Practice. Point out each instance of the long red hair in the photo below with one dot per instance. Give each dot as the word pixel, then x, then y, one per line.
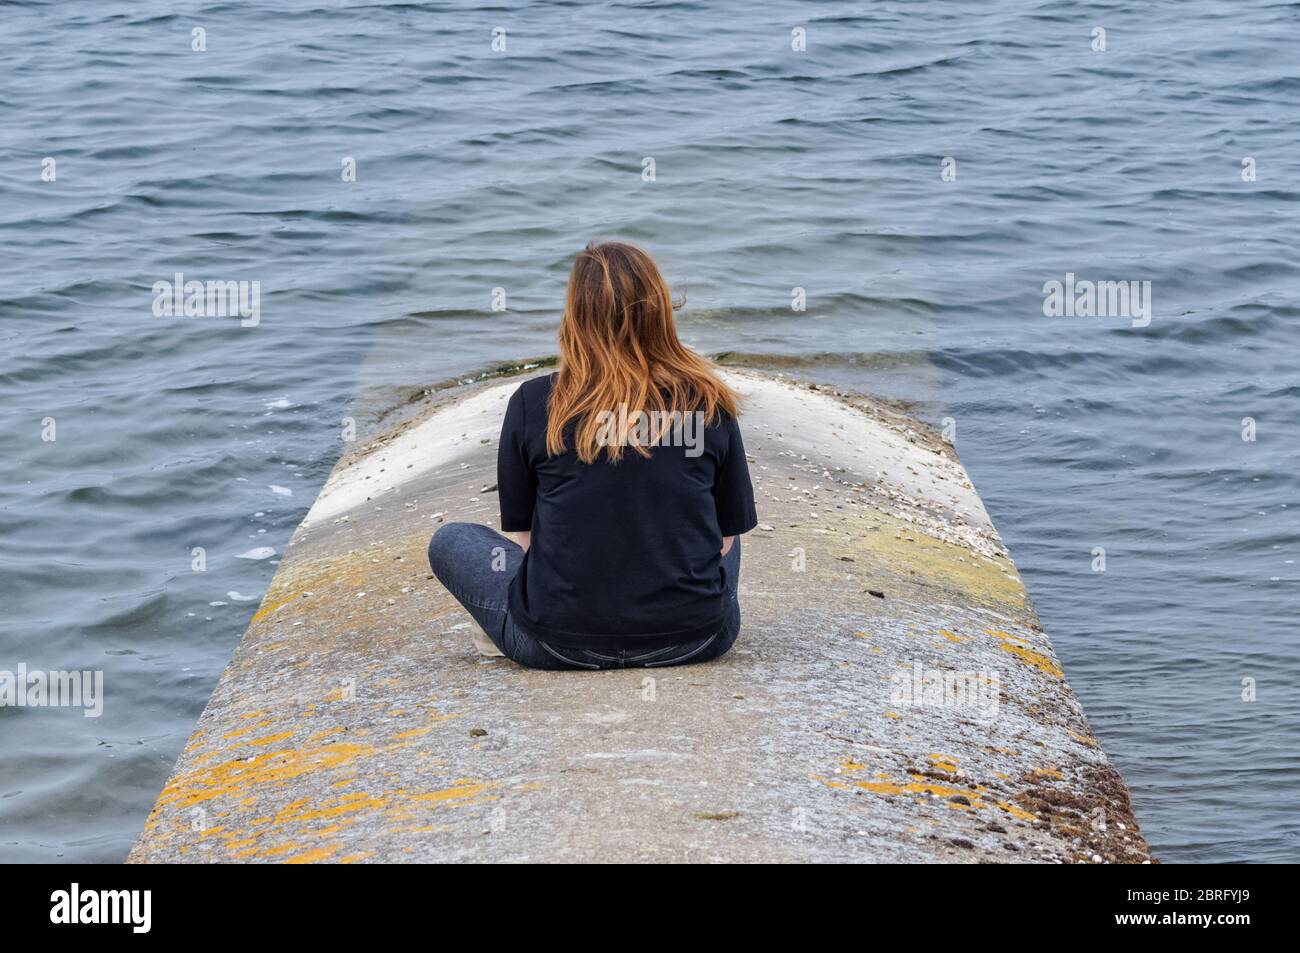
pixel 619 347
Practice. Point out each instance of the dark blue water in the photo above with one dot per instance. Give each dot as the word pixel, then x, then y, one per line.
pixel 774 169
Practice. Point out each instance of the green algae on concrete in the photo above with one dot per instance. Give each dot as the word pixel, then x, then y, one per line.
pixel 892 696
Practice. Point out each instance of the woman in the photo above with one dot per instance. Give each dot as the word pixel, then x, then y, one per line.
pixel 623 476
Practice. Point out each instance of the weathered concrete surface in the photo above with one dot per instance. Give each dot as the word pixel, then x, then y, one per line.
pixel 356 722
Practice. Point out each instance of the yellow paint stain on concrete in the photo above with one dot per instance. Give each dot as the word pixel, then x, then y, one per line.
pixel 240 775
pixel 247 729
pixel 343 812
pixel 849 766
pixel 951 636
pixel 830 783
pixel 940 563
pixel 945 763
pixel 1016 811
pixel 1009 643
pixel 272 739
pixel 879 787
pixel 921 786
pixel 894 715
pixel 322 735
pixel 355 858
pixel 266 610
pixel 348 804
pixel 457 792
pixel 413 733
pixel 335 828
pixel 314 856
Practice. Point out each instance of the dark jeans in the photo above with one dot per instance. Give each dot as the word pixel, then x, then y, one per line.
pixel 476 564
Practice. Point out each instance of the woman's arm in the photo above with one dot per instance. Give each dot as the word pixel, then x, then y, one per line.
pixel 526 537
pixel 516 485
pixel 733 493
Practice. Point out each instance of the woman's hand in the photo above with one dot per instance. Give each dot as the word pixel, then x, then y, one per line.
pixel 526 537
pixel 726 544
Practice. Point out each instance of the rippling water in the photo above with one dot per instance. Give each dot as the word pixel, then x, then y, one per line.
pixel 774 169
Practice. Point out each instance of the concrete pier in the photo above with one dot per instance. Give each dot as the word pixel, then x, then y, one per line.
pixel 892 696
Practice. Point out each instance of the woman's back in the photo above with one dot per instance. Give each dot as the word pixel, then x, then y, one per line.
pixel 624 553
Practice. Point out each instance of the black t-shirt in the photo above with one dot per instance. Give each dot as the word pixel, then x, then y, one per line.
pixel 626 554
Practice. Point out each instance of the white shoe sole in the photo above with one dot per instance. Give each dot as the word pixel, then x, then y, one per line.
pixel 485 645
